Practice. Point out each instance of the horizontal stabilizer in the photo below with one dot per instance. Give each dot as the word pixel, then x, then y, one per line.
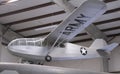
pixel 110 47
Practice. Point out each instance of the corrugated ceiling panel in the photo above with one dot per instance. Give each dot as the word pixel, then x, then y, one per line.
pixel 20 5
pixel 29 14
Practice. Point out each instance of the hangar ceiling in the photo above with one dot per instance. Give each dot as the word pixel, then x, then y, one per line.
pixel 37 18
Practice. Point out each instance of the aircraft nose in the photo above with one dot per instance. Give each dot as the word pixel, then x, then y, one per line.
pixel 13 43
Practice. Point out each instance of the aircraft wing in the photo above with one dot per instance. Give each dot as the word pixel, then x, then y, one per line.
pixel 18 68
pixel 76 22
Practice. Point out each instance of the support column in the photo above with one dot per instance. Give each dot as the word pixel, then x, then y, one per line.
pixel 5 37
pixel 7 34
pixel 95 33
pixel 0 42
pixel 0 49
pixel 105 59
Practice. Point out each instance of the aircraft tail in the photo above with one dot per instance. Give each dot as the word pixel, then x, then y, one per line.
pixel 98 44
pixel 101 44
pixel 110 47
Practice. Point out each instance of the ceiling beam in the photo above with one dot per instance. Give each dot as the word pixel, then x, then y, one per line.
pixel 117 72
pixel 113 35
pixel 107 21
pixel 5 44
pixel 90 39
pixel 58 22
pixel 36 7
pixel 103 30
pixel 107 1
pixel 112 28
pixel 112 11
pixel 49 15
pixel 81 34
pixel 34 18
pixel 27 9
pixel 46 33
pixel 39 26
pixel 5 29
pixel 83 40
pixel 37 35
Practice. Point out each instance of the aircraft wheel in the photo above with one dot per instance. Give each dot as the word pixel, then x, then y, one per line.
pixel 48 58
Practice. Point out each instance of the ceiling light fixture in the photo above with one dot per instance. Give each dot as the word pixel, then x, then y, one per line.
pixel 10 1
pixel 45 28
pixel 3 2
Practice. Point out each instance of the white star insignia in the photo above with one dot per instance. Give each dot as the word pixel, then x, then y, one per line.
pixel 83 51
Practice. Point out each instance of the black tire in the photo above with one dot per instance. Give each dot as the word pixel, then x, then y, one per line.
pixel 48 58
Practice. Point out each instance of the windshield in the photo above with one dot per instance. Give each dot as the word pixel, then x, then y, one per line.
pixel 27 42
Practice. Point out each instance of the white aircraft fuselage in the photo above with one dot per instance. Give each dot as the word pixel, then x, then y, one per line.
pixel 68 52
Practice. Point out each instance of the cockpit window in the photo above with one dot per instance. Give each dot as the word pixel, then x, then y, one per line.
pixel 27 41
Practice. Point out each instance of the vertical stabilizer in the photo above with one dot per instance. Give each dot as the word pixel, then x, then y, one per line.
pixel 98 44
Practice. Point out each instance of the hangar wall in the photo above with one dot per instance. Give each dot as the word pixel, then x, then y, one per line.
pixel 114 63
pixel 5 56
pixel 90 64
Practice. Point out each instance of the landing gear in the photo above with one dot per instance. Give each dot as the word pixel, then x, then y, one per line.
pixel 48 58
